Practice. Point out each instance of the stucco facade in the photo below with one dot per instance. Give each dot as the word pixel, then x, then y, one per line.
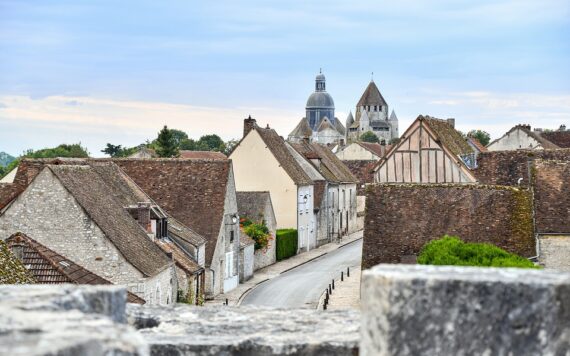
pixel 355 152
pixel 515 139
pixel 49 213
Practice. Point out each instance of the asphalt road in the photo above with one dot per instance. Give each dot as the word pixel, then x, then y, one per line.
pixel 302 287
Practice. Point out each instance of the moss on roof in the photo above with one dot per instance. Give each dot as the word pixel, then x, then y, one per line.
pixel 12 270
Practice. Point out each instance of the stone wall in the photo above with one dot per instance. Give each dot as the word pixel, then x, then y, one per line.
pixel 443 310
pixel 551 182
pixel 506 167
pixel 401 219
pixel 554 252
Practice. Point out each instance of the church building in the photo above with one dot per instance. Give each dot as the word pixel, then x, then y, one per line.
pixel 319 124
pixel 372 115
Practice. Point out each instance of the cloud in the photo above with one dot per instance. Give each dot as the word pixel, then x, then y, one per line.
pixel 100 120
pixel 3 106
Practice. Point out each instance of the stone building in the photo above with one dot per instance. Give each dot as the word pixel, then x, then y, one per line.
pixel 522 137
pixel 372 116
pixel 46 266
pixel 336 213
pixel 257 206
pixel 94 216
pixel 263 161
pixel 363 151
pixel 200 194
pixel 319 124
pixel 430 151
pixel 246 257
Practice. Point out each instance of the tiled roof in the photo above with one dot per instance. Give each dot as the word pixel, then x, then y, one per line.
pixel 8 191
pixel 277 146
pixel 363 170
pixel 303 129
pixel 202 155
pixel 376 148
pixel 331 166
pixel 12 270
pixel 192 191
pixel 371 96
pixel 253 204
pixel 49 267
pixel 475 142
pixel 559 138
pixel 103 193
pixel 181 258
pixel 551 182
pixel 448 135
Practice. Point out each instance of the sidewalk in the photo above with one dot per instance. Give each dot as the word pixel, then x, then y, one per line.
pixel 236 295
pixel 346 295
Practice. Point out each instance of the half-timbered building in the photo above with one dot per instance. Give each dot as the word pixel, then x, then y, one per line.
pixel 430 151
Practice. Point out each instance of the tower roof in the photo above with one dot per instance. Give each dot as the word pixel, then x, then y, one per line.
pixel 349 119
pixel 320 99
pixel 393 116
pixel 371 96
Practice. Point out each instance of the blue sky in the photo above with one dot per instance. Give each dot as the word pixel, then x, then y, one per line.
pixel 116 71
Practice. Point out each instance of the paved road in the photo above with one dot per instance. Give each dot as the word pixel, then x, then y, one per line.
pixel 302 286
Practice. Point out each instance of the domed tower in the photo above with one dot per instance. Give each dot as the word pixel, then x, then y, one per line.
pixel 320 104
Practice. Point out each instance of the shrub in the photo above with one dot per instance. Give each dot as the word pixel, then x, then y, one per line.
pixel 259 232
pixel 286 243
pixel 450 250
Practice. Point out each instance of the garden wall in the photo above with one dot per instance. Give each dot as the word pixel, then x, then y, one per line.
pixel 401 219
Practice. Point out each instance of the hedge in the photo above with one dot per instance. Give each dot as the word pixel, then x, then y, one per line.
pixel 451 251
pixel 286 243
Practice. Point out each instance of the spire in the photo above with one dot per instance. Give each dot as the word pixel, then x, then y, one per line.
pixel 393 116
pixel 320 81
pixel 372 77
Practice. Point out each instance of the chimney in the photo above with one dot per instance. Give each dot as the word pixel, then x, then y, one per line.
pixel 248 125
pixel 451 122
pixel 143 216
pixel 314 158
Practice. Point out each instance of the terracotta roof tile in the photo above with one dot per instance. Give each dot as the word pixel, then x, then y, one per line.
pixel 202 155
pixel 49 267
pixel 331 167
pixel 8 192
pixel 192 191
pixel 559 138
pixel 103 193
pixel 551 182
pixel 475 142
pixel 448 135
pixel 376 148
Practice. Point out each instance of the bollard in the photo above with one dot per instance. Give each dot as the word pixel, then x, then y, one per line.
pixel 348 271
pixel 333 283
pixel 227 301
pixel 342 276
pixel 330 289
pixel 325 306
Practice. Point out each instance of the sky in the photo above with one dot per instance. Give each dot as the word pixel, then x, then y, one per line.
pixel 117 71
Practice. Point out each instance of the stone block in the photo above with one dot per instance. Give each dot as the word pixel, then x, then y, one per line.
pixel 444 310
pixel 188 330
pixel 66 320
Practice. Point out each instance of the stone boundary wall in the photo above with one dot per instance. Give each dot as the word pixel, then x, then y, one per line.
pixel 506 167
pixel 551 182
pixel 401 219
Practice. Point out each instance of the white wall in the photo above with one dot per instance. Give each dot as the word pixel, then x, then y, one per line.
pixel 515 140
pixel 307 225
pixel 355 152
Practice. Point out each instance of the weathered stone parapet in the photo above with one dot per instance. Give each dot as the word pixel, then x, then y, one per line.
pixel 66 320
pixel 436 310
pixel 188 330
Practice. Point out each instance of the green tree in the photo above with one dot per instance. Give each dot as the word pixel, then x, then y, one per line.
pixel 369 136
pixel 211 143
pixel 230 145
pixel 188 144
pixel 166 145
pixel 481 136
pixel 119 151
pixel 179 136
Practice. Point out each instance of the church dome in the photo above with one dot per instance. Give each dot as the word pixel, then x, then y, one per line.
pixel 320 99
pixel 320 76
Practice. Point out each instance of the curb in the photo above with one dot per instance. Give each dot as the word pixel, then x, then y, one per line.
pixel 244 294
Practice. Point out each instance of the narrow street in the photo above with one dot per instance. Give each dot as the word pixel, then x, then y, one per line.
pixel 302 286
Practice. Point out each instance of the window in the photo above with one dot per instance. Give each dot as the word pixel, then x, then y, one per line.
pixel 232 236
pixel 229 264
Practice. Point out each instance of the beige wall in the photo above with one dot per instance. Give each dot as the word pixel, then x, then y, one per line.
pixel 354 152
pixel 256 169
pixel 515 140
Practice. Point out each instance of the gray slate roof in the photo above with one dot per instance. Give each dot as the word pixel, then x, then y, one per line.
pixel 371 96
pixel 303 129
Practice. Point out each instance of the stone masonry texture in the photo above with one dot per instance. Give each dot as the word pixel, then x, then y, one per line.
pixel 401 219
pixel 443 310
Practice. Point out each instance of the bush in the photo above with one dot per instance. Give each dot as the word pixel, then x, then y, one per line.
pixel 450 250
pixel 286 243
